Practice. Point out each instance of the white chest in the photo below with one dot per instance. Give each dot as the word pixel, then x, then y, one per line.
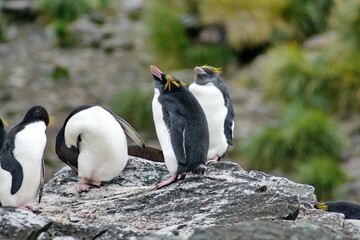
pixel 163 135
pixel 29 148
pixel 213 104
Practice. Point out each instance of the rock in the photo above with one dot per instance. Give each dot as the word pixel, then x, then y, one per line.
pixel 21 224
pixel 199 207
pixel 226 203
pixel 17 5
pixel 268 230
pixel 133 8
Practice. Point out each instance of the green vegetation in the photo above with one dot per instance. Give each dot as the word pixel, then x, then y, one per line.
pixel 327 80
pixel 324 174
pixel 170 44
pixel 307 16
pixel 60 72
pixel 300 134
pixel 60 14
pixel 345 20
pixel 264 22
pixel 2 29
pixel 135 106
pixel 64 10
pixel 305 144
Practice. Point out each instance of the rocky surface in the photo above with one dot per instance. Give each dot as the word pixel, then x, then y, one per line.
pixel 109 58
pixel 226 203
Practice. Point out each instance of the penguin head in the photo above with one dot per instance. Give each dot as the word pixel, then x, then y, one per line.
pixel 38 113
pixel 165 82
pixel 207 74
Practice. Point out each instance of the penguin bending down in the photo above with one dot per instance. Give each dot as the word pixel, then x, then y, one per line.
pixel 93 143
pixel 3 132
pixel 21 160
pixel 213 96
pixel 180 125
pixel 349 209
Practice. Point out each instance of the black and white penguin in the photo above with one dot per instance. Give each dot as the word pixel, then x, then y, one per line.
pixel 3 132
pixel 180 125
pixel 211 92
pixel 93 143
pixel 349 209
pixel 21 160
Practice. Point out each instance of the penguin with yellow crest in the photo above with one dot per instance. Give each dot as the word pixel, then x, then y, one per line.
pixel 211 92
pixel 180 125
pixel 21 160
pixel 350 210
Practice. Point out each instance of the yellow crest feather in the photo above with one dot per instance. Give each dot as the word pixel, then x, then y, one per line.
pixel 51 121
pixel 213 69
pixel 4 122
pixel 322 206
pixel 170 80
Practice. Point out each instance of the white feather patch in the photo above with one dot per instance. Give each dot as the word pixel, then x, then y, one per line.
pixel 213 104
pixel 163 135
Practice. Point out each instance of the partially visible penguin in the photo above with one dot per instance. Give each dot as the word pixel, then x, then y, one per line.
pixel 3 132
pixel 21 160
pixel 212 94
pixel 93 143
pixel 349 209
pixel 180 125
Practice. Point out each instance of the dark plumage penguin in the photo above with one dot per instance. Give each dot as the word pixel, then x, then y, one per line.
pixel 180 125
pixel 349 209
pixel 211 92
pixel 3 132
pixel 93 143
pixel 21 160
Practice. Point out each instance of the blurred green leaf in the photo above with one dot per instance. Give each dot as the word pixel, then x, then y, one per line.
pixel 324 173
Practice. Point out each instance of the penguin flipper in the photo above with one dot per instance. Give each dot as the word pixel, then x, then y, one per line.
pixel 10 164
pixel 229 120
pixel 42 182
pixel 130 131
pixel 177 135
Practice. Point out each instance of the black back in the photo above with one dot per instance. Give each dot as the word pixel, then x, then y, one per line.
pixel 7 160
pixel 187 125
pixel 349 209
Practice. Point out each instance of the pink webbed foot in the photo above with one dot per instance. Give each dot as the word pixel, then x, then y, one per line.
pixel 82 186
pixel 96 183
pixel 29 208
pixel 173 179
pixel 212 160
